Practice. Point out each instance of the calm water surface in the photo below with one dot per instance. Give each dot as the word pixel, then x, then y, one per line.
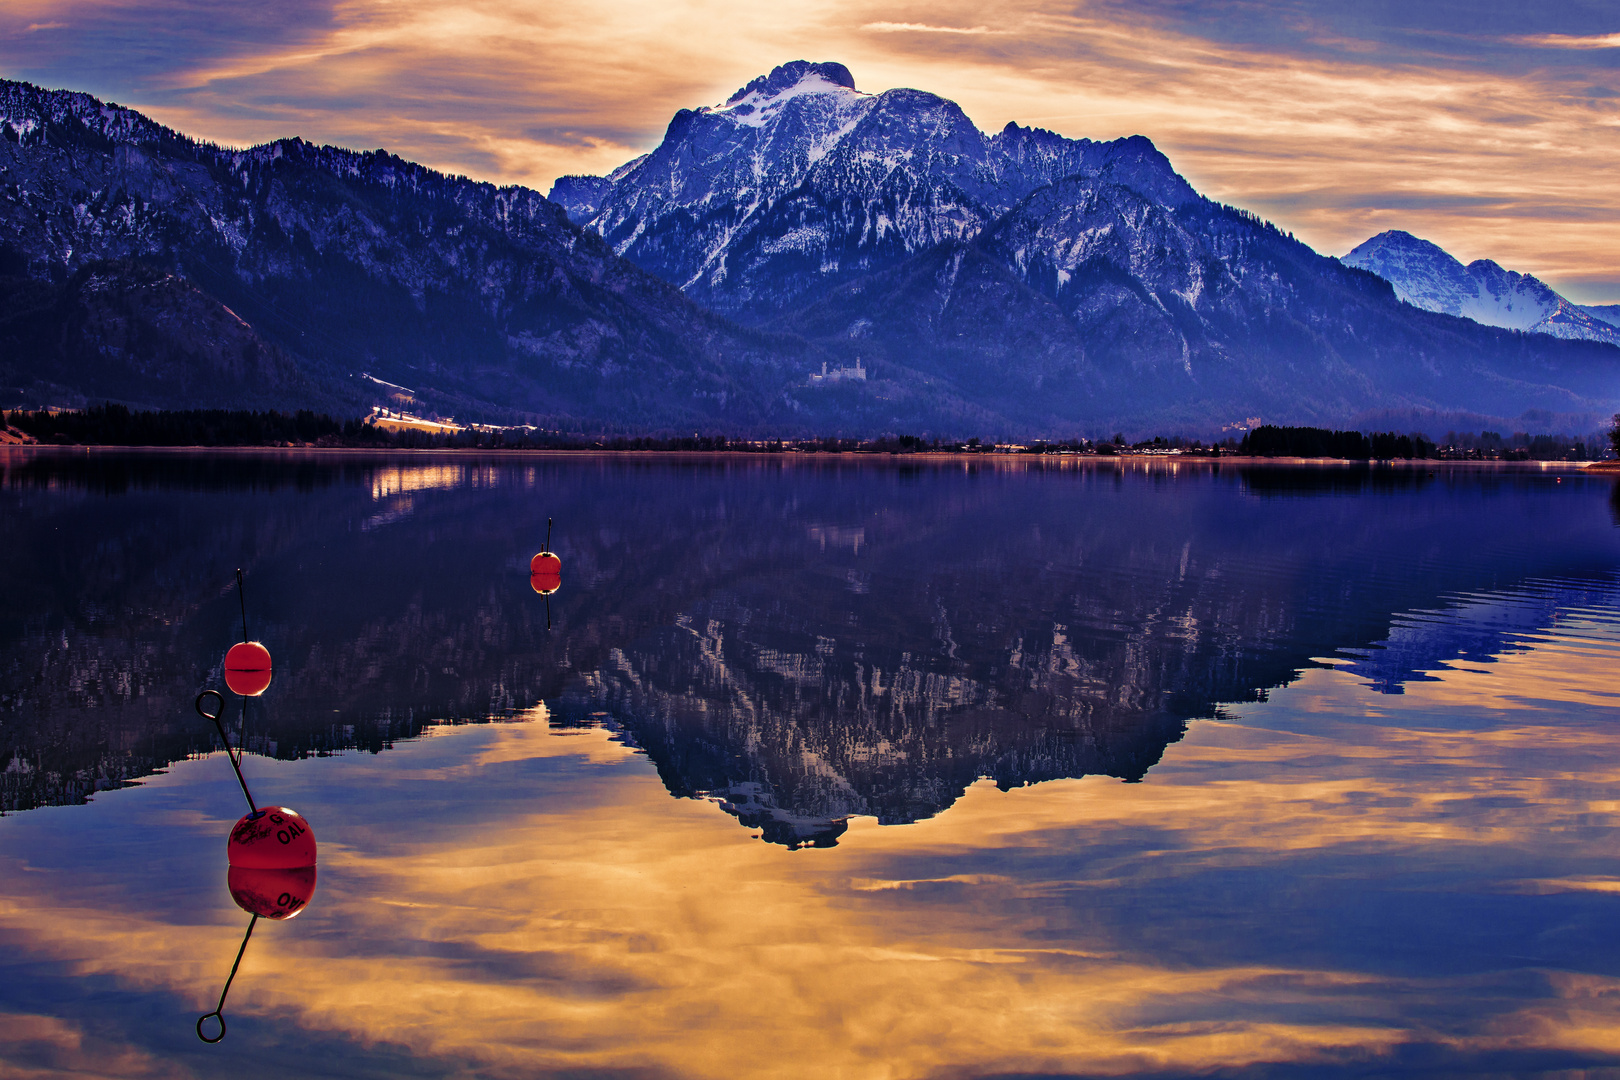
pixel 824 767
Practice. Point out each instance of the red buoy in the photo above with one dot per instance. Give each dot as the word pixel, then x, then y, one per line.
pixel 271 894
pixel 545 584
pixel 274 838
pixel 545 563
pixel 247 668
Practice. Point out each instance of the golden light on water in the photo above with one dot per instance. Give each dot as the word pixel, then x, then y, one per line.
pixel 518 899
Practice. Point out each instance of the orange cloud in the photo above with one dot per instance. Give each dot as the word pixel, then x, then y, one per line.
pixel 926 28
pixel 1571 41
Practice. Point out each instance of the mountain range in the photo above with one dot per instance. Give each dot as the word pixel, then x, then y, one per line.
pixel 1426 276
pixel 290 270
pixel 1020 283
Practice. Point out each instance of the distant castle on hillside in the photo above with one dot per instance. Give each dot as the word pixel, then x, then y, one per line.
pixel 839 373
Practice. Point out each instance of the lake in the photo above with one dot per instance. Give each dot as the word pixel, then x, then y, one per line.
pixel 814 766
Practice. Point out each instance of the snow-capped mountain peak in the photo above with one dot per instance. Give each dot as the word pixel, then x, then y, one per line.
pixel 1424 274
pixel 1428 277
pixel 799 181
pixel 764 97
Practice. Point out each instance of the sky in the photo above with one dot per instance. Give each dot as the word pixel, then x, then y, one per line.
pixel 1491 127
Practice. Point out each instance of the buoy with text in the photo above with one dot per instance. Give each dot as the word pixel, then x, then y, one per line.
pixel 274 838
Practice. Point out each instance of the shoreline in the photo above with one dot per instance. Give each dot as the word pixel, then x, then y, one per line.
pixel 915 457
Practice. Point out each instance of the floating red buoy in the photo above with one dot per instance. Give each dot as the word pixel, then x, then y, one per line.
pixel 247 668
pixel 274 838
pixel 272 894
pixel 545 573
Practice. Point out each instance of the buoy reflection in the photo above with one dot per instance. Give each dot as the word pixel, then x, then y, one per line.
pixel 546 561
pixel 271 894
pixel 247 663
pixel 218 1015
pixel 264 894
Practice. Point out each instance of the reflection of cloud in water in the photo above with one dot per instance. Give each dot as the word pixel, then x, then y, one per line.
pixel 1331 878
pixel 1318 891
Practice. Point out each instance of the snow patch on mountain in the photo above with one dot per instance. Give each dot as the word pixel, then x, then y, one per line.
pixel 804 239
pixel 759 107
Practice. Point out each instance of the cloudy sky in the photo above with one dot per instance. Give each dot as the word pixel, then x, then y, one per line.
pixel 1491 127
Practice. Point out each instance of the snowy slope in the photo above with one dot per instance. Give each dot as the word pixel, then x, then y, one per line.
pixel 1426 276
pixel 1609 313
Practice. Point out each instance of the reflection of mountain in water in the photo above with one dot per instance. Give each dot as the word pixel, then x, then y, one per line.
pixel 1474 629
pixel 1079 651
pixel 799 640
pixel 120 604
pixel 793 731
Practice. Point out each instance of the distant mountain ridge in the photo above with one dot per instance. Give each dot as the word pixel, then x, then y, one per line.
pixel 1428 277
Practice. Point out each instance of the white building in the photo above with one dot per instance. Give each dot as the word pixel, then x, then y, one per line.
pixel 838 374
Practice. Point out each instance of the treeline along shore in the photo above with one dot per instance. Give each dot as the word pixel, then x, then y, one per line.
pixel 114 425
